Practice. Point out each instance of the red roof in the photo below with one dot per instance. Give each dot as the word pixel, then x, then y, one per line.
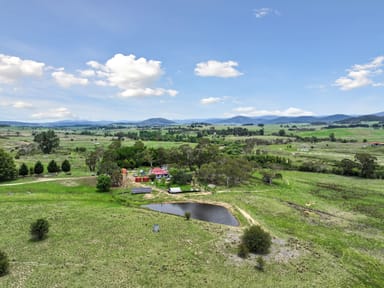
pixel 159 171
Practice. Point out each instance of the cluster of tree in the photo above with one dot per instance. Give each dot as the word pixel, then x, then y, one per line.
pixel 270 161
pixel 364 165
pixel 314 139
pixel 226 170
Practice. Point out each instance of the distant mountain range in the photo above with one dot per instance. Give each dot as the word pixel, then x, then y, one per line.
pixel 237 120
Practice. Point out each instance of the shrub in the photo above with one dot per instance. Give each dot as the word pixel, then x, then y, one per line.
pixel 4 263
pixel 256 240
pixel 187 215
pixel 243 251
pixel 39 229
pixel 66 166
pixel 260 263
pixel 104 183
pixel 53 167
pixel 38 168
pixel 23 170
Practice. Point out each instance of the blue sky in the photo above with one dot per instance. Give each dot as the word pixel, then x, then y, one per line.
pixel 179 59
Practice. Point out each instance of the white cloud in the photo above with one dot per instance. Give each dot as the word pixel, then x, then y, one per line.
pixel 135 77
pixel 263 12
pixel 16 104
pixel 210 100
pixel 13 68
pixel 253 112
pixel 361 75
pixel 67 80
pixel 22 105
pixel 139 92
pixel 59 113
pixel 214 68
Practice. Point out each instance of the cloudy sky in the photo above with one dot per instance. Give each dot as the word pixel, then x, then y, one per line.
pixel 182 59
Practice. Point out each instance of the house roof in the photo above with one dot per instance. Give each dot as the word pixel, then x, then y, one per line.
pixel 159 171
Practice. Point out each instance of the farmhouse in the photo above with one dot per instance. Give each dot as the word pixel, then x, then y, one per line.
pixel 159 172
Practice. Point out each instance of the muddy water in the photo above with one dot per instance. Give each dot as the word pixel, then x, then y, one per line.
pixel 200 211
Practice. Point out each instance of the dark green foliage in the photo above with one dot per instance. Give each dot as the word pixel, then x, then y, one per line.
pixel 152 177
pixel 243 251
pixel 269 175
pixel 349 167
pixel 39 229
pixel 53 167
pixel 39 168
pixel 103 183
pixel 47 141
pixel 260 263
pixel 256 240
pixel 23 170
pixel 181 177
pixel 4 264
pixel 367 163
pixel 187 215
pixel 66 166
pixel 8 169
pixel 226 171
pixel 92 159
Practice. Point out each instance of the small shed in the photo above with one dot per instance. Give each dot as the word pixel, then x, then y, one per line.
pixel 174 190
pixel 141 190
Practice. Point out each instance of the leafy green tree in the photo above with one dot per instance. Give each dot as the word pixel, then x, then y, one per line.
pixel 47 140
pixel 53 167
pixel 257 240
pixel 332 137
pixel 93 158
pixel 281 132
pixel 4 264
pixel 367 164
pixel 180 177
pixel 23 170
pixel 39 229
pixel 38 168
pixel 8 169
pixel 103 183
pixel 349 167
pixel 66 166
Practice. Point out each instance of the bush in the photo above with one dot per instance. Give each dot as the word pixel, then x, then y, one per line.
pixel 243 251
pixel 104 183
pixel 66 166
pixel 256 240
pixel 53 167
pixel 23 170
pixel 260 263
pixel 39 229
pixel 187 215
pixel 8 169
pixel 38 168
pixel 4 263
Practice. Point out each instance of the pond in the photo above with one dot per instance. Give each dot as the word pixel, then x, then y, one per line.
pixel 200 211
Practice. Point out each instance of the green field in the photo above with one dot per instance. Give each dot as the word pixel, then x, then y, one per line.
pixel 327 229
pixel 96 242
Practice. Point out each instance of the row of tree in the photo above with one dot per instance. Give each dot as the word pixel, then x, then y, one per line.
pixel 38 168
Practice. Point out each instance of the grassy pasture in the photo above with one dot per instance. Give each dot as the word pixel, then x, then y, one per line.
pixel 327 229
pixel 94 241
